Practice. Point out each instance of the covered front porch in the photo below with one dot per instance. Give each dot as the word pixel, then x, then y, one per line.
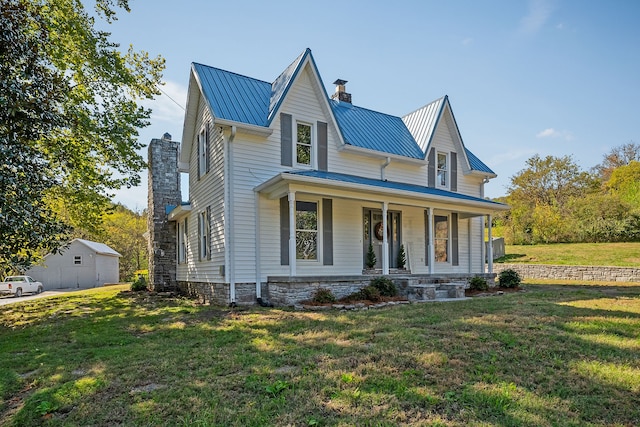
pixel 329 221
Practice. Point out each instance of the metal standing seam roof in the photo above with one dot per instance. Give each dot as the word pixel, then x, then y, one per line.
pixel 391 185
pixel 99 248
pixel 243 99
pixel 369 129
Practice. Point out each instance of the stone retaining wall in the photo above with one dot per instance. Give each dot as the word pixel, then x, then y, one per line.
pixel 573 272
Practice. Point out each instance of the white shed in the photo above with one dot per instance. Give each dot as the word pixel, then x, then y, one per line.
pixel 84 264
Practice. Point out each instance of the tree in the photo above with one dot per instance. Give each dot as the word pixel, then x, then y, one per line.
pixel 124 230
pixel 539 196
pixel 70 119
pixel 31 98
pixel 625 181
pixel 618 156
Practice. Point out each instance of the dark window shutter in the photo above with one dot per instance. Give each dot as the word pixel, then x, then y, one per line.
pixel 284 231
pixel 199 237
pixel 426 237
pixel 454 171
pixel 207 142
pixel 431 168
pixel 286 140
pixel 327 231
pixel 198 155
pixel 208 232
pixel 322 147
pixel 454 239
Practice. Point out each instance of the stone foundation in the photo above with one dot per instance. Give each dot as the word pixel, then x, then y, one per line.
pixel 220 293
pixel 573 272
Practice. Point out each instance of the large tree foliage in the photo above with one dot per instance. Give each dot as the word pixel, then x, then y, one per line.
pixel 70 117
pixel 31 99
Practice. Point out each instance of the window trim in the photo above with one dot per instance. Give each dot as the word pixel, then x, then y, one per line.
pixel 311 145
pixel 77 260
pixel 182 241
pixel 318 231
pixel 447 239
pixel 203 235
pixel 203 151
pixel 446 170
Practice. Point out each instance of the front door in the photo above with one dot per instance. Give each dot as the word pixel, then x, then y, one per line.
pixel 372 235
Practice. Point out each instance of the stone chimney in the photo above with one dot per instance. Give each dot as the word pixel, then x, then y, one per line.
pixel 163 196
pixel 341 94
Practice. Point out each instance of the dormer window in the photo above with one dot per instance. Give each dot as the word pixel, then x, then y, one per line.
pixel 303 144
pixel 442 171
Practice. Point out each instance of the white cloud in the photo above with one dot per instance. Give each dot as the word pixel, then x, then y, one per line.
pixel 538 14
pixel 552 133
pixel 467 41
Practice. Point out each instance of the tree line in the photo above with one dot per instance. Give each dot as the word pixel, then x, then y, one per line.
pixel 552 200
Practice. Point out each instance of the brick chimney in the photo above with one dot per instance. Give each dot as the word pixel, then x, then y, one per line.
pixel 341 94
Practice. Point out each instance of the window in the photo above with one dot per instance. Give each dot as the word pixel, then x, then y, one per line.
pixel 77 260
pixel 182 242
pixel 303 144
pixel 203 235
pixel 442 170
pixel 203 152
pixel 441 238
pixel 306 230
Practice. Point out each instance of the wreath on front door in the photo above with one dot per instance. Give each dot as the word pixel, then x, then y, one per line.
pixel 377 230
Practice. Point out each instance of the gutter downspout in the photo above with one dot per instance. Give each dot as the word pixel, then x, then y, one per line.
pixel 230 228
pixel 383 175
pixel 257 239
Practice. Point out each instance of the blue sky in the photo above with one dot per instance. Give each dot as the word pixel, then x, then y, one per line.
pixel 547 77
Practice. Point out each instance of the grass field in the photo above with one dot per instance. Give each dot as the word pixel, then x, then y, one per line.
pixel 610 254
pixel 550 356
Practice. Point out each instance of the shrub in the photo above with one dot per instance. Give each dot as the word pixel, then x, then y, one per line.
pixel 370 293
pixel 371 257
pixel 478 283
pixel 139 284
pixel 385 286
pixel 509 278
pixel 323 296
pixel 401 260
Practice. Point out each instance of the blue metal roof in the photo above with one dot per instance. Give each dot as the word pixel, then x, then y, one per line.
pixel 390 185
pixel 369 129
pixel 234 97
pixel 243 99
pixel 476 164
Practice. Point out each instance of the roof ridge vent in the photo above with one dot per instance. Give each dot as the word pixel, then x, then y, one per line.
pixel 341 93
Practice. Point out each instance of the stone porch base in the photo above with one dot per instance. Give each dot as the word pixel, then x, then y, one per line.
pixel 286 291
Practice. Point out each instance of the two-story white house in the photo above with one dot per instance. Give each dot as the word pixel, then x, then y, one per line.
pixel 289 188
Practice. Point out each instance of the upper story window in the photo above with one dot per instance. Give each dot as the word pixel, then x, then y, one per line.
pixel 203 152
pixel 442 170
pixel 306 230
pixel 77 259
pixel 303 144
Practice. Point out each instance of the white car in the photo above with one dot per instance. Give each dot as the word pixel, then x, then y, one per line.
pixel 18 285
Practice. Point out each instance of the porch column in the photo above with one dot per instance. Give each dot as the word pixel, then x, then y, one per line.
pixel 432 256
pixel 292 233
pixel 489 247
pixel 385 240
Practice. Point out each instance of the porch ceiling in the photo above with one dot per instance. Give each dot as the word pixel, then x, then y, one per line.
pixel 355 187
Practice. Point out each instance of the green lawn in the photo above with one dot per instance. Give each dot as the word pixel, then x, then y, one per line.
pixel 611 254
pixel 550 356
